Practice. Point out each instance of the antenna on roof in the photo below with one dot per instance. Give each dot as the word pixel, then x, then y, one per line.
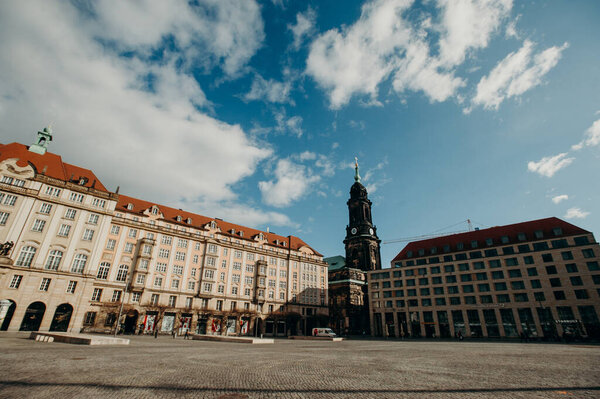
pixel 94 184
pixel 470 224
pixel 117 190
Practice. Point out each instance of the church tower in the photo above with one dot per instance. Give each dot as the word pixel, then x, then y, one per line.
pixel 361 242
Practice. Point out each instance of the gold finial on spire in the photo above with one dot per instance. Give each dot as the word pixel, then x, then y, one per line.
pixel 356 175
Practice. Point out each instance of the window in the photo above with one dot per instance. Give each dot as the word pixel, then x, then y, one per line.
pixel 175 284
pixel 528 260
pixel 559 295
pixel 154 299
pixel 122 273
pixel 89 318
pixel 177 269
pixel 54 192
pixel 491 252
pixel 508 250
pixel 180 256
pixel 502 298
pixel 539 296
pixel 581 294
pixel 147 249
pixel 547 257
pixel 207 287
pixel 210 261
pixel 593 266
pixel 521 297
pixel 88 234
pixel 182 243
pixel 498 274
pixel 455 300
pixel 116 297
pixel 209 274
pixel 195 259
pixel 514 273
pixel 576 280
pixel 135 297
pixel 500 286
pixel 71 287
pixel 114 229
pixel 468 288
pixel 481 276
pixel 3 218
pixel 451 279
pixel 93 219
pixel 191 285
pixel 555 282
pixel 587 253
pixel 76 197
pixel 26 256
pixel 79 263
pixel 551 270
pixel 532 271
pixel 517 285
pixel 9 200
pixel 494 263
pixel 163 253
pixel 110 244
pixel 38 225
pixel 97 295
pixel 219 305
pixel 99 203
pixel 103 270
pixel 140 279
pixel 158 280
pixel 234 290
pixel 237 253
pixel 161 267
pixel 483 287
pixel 16 281
pixel 523 248
pixel 536 284
pixel 511 262
pixel 581 240
pixel 465 277
pixel 46 208
pixel 167 240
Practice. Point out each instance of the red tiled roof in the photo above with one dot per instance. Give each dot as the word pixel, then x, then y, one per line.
pixel 199 221
pixel 495 233
pixel 49 164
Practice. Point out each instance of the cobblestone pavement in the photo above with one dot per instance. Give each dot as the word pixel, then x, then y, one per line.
pixel 167 368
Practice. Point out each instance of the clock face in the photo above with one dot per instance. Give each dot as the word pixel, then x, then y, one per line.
pixel 353 230
pixel 371 231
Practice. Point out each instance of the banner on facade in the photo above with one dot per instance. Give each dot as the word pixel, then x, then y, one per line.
pixel 244 325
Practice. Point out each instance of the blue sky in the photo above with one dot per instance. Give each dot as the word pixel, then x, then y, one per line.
pixel 254 111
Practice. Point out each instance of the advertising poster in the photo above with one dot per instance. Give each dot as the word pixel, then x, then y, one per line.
pixel 167 324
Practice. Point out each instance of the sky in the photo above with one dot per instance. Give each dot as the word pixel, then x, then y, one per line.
pixel 253 111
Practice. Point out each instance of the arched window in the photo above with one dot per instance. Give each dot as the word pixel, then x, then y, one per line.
pixel 188 220
pixel 103 270
pixel 129 206
pixel 26 256
pixel 54 259
pixel 79 263
pixel 213 225
pixel 179 218
pixel 122 273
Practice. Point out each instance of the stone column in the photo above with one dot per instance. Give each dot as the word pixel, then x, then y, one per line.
pixel 4 306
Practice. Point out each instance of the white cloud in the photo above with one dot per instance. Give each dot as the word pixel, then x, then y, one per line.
pixel 213 32
pixel 592 137
pixel 559 198
pixel 515 74
pixel 243 214
pixel 133 121
pixel 356 59
pixel 548 166
pixel 269 90
pixel 576 213
pixel 292 124
pixel 292 181
pixel 304 27
pixel 469 24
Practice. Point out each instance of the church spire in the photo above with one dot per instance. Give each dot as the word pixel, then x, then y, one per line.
pixel 356 175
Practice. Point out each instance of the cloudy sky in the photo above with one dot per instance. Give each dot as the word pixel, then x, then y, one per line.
pixel 254 111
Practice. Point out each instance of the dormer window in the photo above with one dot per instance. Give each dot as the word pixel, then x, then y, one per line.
pixel 557 231
pixel 129 207
pixel 261 236
pixel 539 234
pixel 521 237
pixel 188 220
pixel 155 210
pixel 489 242
pixel 460 246
pixel 433 250
pixel 421 252
pixel 474 244
pixel 213 225
pixel 241 233
pixel 232 231
pixel 284 244
pixel 178 218
pixel 82 181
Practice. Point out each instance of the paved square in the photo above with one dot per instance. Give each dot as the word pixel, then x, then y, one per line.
pixel 167 368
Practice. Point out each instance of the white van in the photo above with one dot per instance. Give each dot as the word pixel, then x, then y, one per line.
pixel 323 332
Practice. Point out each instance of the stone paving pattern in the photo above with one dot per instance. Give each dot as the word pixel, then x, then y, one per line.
pixel 167 368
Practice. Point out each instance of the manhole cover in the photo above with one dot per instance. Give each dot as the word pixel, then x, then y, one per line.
pixel 233 396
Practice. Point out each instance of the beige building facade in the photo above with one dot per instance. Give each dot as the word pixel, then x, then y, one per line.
pixel 531 280
pixel 76 256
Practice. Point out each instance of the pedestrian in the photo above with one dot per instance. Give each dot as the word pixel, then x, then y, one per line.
pixel 173 332
pixel 460 336
pixel 155 332
pixel 186 336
